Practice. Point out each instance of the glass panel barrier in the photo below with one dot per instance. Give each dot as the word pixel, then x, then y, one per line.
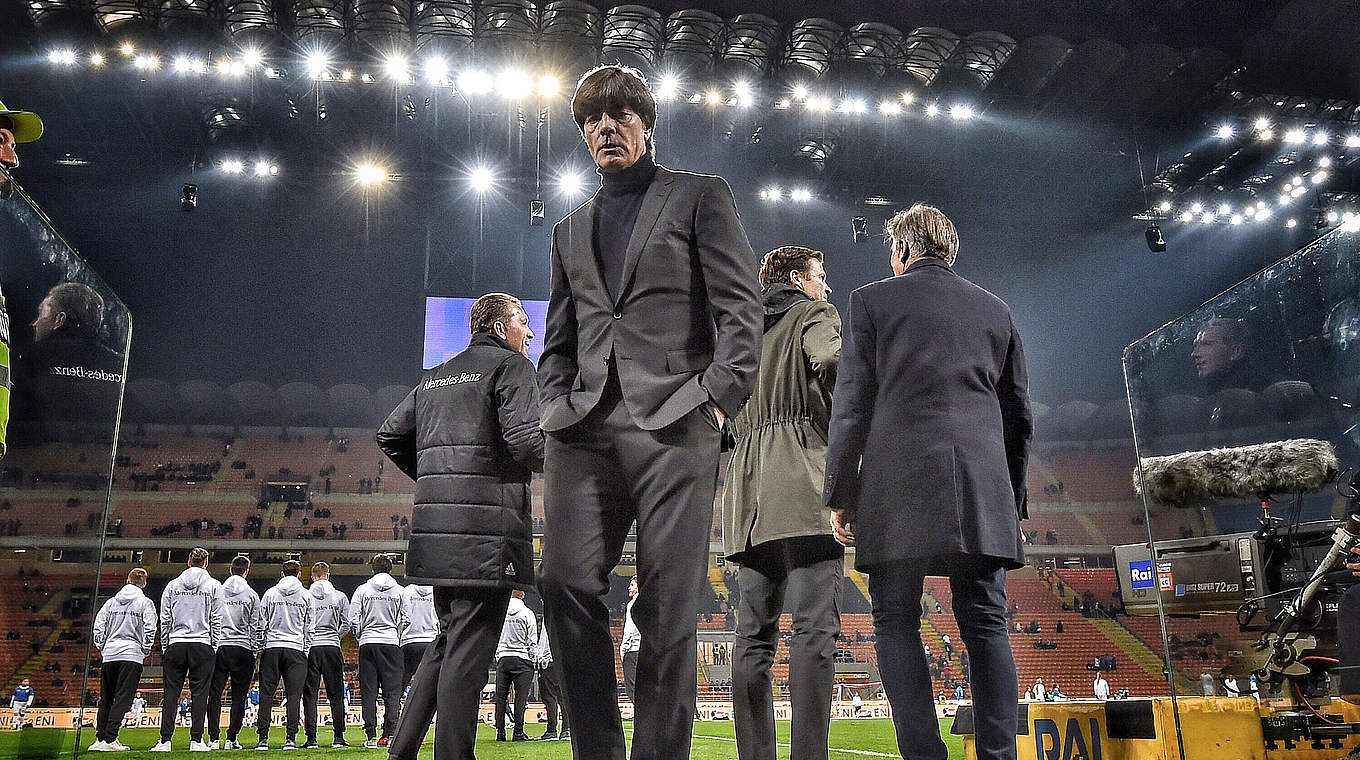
pixel 1241 411
pixel 66 336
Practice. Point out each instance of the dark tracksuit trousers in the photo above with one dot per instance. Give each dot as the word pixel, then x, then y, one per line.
pixel 411 655
pixel 600 475
pixel 380 667
pixel 325 665
pixel 517 672
pixel 234 665
pixel 117 686
pixel 290 665
pixel 193 661
pixel 451 675
pixel 808 569
pixel 550 691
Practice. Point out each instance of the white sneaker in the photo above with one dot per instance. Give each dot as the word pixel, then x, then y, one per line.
pixel 214 744
pixel 233 744
pixel 199 747
pixel 117 746
pixel 100 746
pixel 371 743
pixel 161 747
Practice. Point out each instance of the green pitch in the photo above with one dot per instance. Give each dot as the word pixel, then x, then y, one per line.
pixel 712 741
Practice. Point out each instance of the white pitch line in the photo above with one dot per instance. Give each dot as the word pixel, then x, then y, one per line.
pixel 831 749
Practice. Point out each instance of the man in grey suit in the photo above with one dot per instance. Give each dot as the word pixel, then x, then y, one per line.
pixel 652 340
pixel 925 472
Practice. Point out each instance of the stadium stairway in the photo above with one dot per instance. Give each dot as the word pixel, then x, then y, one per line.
pixel 861 582
pixel 1130 646
pixel 30 667
pixel 715 577
pixel 1089 526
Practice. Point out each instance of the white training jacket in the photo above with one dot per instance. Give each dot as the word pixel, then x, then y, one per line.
pixel 330 614
pixel 375 610
pixel 125 628
pixel 519 634
pixel 419 621
pixel 287 616
pixel 543 658
pixel 632 637
pixel 191 609
pixel 240 614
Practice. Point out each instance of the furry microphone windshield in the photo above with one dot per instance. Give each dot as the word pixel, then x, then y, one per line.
pixel 1298 465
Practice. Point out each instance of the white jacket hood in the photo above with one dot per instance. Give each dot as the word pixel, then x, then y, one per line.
pixel 235 586
pixel 382 581
pixel 129 594
pixel 289 585
pixel 320 589
pixel 192 577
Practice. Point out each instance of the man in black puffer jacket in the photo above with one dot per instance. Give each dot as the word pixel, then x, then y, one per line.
pixel 468 433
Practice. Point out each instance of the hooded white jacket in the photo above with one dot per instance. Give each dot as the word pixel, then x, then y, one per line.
pixel 287 615
pixel 330 613
pixel 419 622
pixel 543 658
pixel 519 635
pixel 125 628
pixel 632 637
pixel 191 609
pixel 375 610
pixel 240 614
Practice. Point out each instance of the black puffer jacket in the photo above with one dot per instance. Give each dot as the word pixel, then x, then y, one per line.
pixel 469 436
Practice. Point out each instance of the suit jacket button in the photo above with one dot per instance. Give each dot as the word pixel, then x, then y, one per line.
pixel 618 315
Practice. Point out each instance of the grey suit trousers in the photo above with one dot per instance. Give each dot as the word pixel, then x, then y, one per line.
pixel 600 475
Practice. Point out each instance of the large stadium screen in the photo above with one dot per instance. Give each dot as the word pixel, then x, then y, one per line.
pixel 448 327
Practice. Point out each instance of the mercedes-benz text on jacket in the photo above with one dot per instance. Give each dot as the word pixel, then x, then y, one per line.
pixel 330 614
pixel 287 616
pixel 191 609
pixel 125 628
pixel 240 614
pixel 375 610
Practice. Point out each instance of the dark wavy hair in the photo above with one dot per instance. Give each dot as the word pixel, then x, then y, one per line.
pixel 611 87
pixel 778 264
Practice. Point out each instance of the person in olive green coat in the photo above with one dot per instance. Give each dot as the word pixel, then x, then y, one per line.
pixel 774 525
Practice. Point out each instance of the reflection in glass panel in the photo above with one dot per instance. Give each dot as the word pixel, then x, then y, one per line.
pixel 66 337
pixel 1243 411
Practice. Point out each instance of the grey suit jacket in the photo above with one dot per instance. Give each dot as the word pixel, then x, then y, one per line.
pixel 930 423
pixel 685 325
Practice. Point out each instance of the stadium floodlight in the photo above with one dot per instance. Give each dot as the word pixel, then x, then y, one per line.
pixel 1261 124
pixel 571 183
pixel 668 87
pixel 370 174
pixel 800 92
pixel 1319 177
pixel 188 65
pixel 1320 138
pixel 252 58
pixel 397 68
pixel 1249 212
pixel 852 105
pixel 1207 217
pixel 713 97
pixel 96 59
pixel 1224 132
pixel 1187 217
pixel 1263 214
pixel 933 110
pixel 127 49
pixel 800 195
pixel 481 179
pixel 743 93
pixel 1291 223
pixel 548 86
pixel 1324 162
pixel 437 71
pixel 1285 198
pixel 783 104
pixel 1295 136
pixel 1224 209
pixel 63 57
pixel 475 82
pixel 233 166
pixel 346 75
pixel 317 63
pixel 1299 191
pixel 1353 141
pixel 1265 134
pixel 772 194
pixel 819 104
pixel 1196 207
pixel 1235 219
pixel 1164 206
pixel 147 62
pixel 514 84
pixel 1332 216
pixel 265 169
pixel 908 97
pixel 961 112
pixel 889 108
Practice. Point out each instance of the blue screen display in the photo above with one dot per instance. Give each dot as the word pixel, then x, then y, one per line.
pixel 448 328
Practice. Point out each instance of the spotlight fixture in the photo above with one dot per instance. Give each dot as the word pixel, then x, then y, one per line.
pixel 1320 138
pixel 369 174
pixel 396 68
pixel 713 97
pixel 188 197
pixel 668 87
pixel 437 71
pixel 1187 217
pixel 1207 217
pixel 147 62
pixel 127 49
pixel 1324 162
pixel 1265 134
pixel 252 57
pixel 1224 132
pixel 783 104
pixel 475 82
pixel 570 183
pixel 514 84
pixel 889 108
pixel 548 86
pixel 1196 207
pixel 317 63
pixel 772 193
pixel 800 195
pixel 1295 136
pixel 859 229
pixel 1261 124
pixel 1164 206
pixel 536 212
pixel 932 110
pixel 1332 216
pixel 265 169
pixel 233 166
pixel 481 179
pixel 961 112
pixel 64 57
pixel 908 97
pixel 1352 141
pixel 1291 223
pixel 1319 177
pixel 1224 209
pixel 1235 219
pixel 851 105
pixel 819 104
pixel 800 92
pixel 96 59
pixel 1155 241
pixel 742 91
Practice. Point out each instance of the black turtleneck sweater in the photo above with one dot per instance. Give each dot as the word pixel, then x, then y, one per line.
pixel 616 211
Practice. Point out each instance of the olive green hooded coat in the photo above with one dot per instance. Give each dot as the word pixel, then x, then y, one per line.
pixel 773 486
